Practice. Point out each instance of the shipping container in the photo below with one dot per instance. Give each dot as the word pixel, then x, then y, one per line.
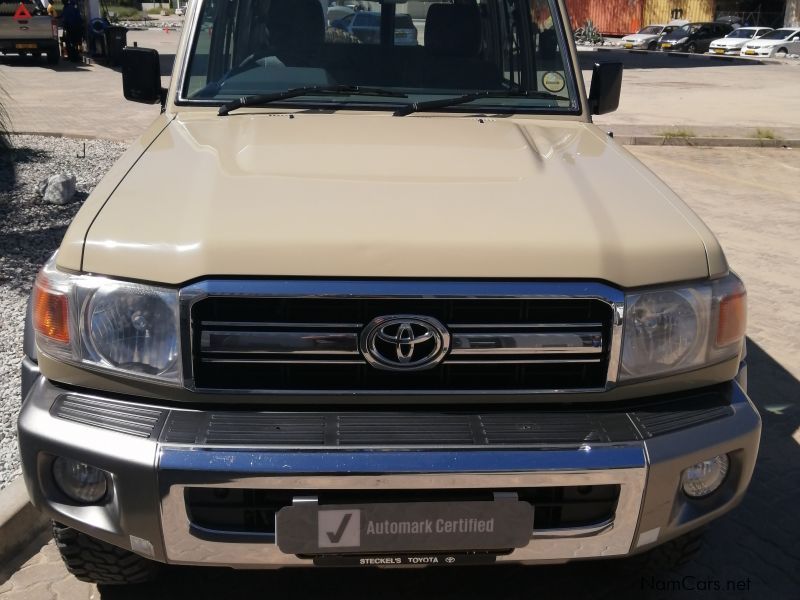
pixel 610 17
pixel 664 11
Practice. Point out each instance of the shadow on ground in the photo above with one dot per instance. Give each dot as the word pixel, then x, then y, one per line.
pixel 750 553
pixel 166 61
pixel 640 59
pixel 27 239
pixel 10 159
pixel 28 61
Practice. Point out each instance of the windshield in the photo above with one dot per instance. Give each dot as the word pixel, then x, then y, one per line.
pixel 778 34
pixel 742 33
pixel 421 50
pixel 685 30
pixel 651 30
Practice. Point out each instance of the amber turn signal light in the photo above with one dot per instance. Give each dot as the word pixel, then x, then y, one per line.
pixel 732 319
pixel 50 312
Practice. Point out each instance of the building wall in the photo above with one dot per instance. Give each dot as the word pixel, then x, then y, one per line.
pixel 611 17
pixel 663 11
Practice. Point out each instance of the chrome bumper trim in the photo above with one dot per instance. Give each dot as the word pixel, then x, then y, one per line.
pixel 288 466
pixel 180 468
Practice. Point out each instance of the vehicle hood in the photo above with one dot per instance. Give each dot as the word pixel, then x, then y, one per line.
pixel 676 35
pixel 730 42
pixel 764 43
pixel 638 38
pixel 371 195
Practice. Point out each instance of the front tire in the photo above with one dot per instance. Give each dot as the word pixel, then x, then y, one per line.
pixel 691 48
pixel 782 51
pixel 95 561
pixel 53 56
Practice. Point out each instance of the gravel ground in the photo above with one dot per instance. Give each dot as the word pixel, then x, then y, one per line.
pixel 30 231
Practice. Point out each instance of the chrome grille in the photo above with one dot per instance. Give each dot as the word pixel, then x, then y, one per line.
pixel 264 342
pixel 298 343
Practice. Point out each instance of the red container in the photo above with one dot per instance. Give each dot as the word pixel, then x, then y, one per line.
pixel 610 17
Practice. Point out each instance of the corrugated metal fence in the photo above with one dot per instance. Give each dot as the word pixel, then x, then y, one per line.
pixel 619 17
pixel 663 11
pixel 612 17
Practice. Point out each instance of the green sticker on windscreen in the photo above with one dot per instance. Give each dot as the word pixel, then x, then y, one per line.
pixel 553 82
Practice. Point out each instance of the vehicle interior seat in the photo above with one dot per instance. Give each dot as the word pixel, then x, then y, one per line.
pixel 449 59
pixel 453 38
pixel 296 30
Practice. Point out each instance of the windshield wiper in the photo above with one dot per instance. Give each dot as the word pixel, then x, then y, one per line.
pixel 454 100
pixel 349 90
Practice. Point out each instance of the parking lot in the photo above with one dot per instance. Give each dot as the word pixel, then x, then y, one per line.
pixel 749 198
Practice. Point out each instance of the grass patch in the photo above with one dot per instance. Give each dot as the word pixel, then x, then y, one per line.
pixel 765 134
pixel 677 134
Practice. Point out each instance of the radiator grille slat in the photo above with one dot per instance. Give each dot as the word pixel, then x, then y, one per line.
pixel 312 344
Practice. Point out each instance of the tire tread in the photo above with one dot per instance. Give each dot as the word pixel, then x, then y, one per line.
pixel 96 561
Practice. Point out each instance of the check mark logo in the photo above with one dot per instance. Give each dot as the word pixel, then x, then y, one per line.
pixel 336 536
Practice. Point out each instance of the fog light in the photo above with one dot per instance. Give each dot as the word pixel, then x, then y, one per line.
pixel 81 482
pixel 705 477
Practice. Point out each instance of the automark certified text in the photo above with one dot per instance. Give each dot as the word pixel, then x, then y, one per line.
pixel 430 526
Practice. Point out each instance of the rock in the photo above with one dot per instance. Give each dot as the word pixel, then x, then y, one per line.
pixel 41 187
pixel 60 189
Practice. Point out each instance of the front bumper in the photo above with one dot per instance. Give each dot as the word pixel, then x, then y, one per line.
pixel 155 454
pixel 25 45
pixel 722 51
pixel 760 52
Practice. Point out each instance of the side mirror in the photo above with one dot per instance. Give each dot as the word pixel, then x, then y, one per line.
pixel 141 76
pixel 606 88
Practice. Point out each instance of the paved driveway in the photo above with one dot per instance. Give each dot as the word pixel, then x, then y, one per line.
pixel 749 197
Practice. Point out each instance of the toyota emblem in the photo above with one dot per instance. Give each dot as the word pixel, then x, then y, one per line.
pixel 404 343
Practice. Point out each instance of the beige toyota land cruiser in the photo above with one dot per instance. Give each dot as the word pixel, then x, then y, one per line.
pixel 403 305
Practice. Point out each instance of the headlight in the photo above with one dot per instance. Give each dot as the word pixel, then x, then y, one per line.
pixel 681 41
pixel 678 329
pixel 96 322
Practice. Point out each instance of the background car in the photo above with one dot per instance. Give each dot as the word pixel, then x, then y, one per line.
pixel 646 38
pixel 366 26
pixel 780 41
pixel 694 37
pixel 736 39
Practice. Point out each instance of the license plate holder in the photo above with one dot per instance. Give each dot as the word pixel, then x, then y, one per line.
pixel 307 528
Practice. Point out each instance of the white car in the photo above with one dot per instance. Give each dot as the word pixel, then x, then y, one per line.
pixel 647 38
pixel 780 41
pixel 736 39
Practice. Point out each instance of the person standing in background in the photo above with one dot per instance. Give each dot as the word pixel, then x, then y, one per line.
pixel 73 29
